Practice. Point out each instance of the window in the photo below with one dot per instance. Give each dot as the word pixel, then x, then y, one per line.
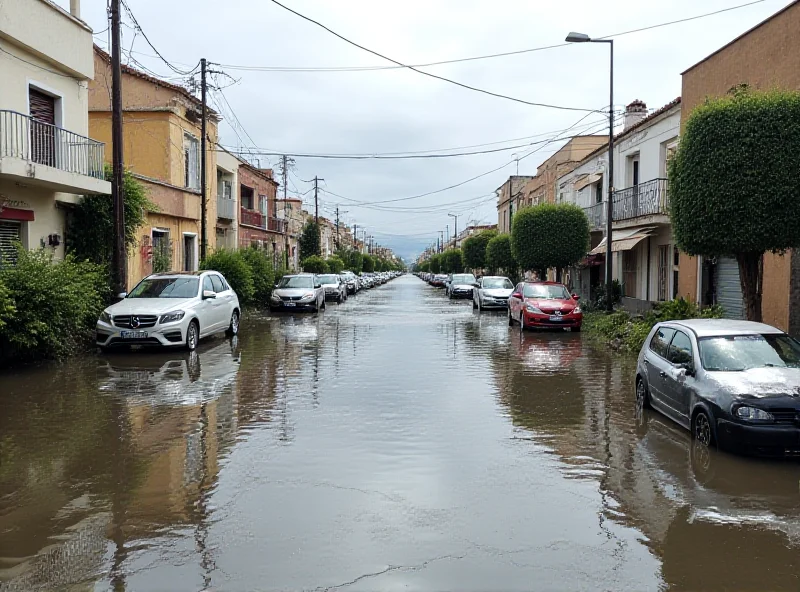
pixel 670 148
pixel 177 287
pixel 660 341
pixel 680 350
pixel 216 281
pixel 663 272
pixel 263 202
pixel 207 285
pixel 248 198
pixel 10 234
pixel 225 189
pixel 598 190
pixel 191 155
pixel 736 353
pixel 189 252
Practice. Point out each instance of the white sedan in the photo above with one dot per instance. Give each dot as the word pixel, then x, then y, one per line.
pixel 171 310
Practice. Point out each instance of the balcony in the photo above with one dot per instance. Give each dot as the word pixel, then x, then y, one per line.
pixel 259 220
pixel 597 216
pixel 650 199
pixel 45 155
pixel 226 208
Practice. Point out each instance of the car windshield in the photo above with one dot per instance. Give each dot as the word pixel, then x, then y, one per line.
pixel 328 279
pixel 464 278
pixel 736 353
pixel 497 284
pixel 546 291
pixel 176 287
pixel 296 281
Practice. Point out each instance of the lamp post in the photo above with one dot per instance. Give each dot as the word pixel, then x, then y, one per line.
pixel 455 230
pixel 583 38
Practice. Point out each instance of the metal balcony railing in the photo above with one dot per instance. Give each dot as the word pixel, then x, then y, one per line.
pixel 226 208
pixel 596 215
pixel 256 218
pixel 24 137
pixel 646 199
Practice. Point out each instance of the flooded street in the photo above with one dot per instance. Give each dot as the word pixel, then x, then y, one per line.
pixel 398 441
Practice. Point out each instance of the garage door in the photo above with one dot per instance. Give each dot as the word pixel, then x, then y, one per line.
pixel 9 236
pixel 729 289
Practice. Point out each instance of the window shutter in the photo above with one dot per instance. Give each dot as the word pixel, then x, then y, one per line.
pixel 9 235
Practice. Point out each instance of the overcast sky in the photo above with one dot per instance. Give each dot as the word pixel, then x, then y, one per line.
pixel 396 110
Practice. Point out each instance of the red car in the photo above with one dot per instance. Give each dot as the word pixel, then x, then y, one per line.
pixel 544 305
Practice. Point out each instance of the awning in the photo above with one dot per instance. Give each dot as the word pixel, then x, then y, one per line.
pixel 585 181
pixel 624 240
pixel 16 214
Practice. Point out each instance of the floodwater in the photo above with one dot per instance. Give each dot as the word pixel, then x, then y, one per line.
pixel 398 441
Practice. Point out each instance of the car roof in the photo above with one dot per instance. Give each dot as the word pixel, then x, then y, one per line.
pixel 543 283
pixel 494 277
pixel 169 274
pixel 301 274
pixel 722 327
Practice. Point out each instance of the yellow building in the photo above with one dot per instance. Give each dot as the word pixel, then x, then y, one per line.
pixel 161 131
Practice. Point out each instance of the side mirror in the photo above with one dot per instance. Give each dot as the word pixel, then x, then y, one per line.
pixel 317 285
pixel 209 294
pixel 517 295
pixel 122 295
pixel 687 368
pixel 576 297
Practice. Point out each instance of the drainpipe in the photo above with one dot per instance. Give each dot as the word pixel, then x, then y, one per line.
pixel 648 269
pixel 75 8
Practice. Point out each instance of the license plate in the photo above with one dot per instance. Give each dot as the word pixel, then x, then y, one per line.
pixel 556 318
pixel 133 334
pixel 289 304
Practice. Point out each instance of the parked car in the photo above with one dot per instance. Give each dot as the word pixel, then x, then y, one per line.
pixel 352 282
pixel 439 280
pixel 335 288
pixel 171 310
pixel 544 305
pixel 492 291
pixel 298 292
pixel 732 383
pixel 461 285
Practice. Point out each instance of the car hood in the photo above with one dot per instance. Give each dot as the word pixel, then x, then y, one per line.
pixel 759 382
pixel 498 292
pixel 330 285
pixel 292 291
pixel 148 305
pixel 564 306
pixel 462 286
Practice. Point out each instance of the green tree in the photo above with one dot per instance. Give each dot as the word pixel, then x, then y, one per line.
pixel 263 274
pixel 424 267
pixel 474 249
pixel 734 183
pixel 452 261
pixel 436 263
pixel 233 266
pixel 310 240
pixel 498 255
pixel 549 235
pixel 314 264
pixel 368 264
pixel 335 264
pixel 90 235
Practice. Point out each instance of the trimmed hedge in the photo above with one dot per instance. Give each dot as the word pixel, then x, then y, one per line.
pixel 314 264
pixel 549 236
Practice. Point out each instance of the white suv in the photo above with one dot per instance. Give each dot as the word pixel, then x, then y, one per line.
pixel 171 310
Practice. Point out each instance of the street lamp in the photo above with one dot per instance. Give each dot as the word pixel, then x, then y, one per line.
pixel 455 229
pixel 584 38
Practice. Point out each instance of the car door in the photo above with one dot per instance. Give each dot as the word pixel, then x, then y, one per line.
pixel 207 313
pixel 657 366
pixel 514 302
pixel 477 292
pixel 224 301
pixel 679 382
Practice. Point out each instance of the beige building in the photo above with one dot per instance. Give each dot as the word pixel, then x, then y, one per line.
pixel 46 159
pixel 291 210
pixel 767 56
pixel 508 200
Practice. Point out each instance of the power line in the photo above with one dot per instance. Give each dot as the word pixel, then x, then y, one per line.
pixel 473 58
pixel 412 68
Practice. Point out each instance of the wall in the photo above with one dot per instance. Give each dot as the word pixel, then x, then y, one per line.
pixel 649 142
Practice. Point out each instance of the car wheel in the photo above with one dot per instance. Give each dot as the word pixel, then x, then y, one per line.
pixel 233 328
pixel 642 394
pixel 324 305
pixel 192 336
pixel 474 304
pixel 702 428
pixel 510 318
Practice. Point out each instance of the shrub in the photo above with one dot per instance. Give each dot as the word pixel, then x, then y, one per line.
pixel 549 236
pixel 498 254
pixel 310 240
pixel 262 272
pixel 48 309
pixel 335 265
pixel 314 264
pixel 233 266
pixel 474 249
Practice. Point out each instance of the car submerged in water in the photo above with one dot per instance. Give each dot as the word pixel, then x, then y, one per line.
pixel 298 292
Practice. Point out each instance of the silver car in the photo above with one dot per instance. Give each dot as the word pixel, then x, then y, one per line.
pixel 298 292
pixel 492 291
pixel 351 279
pixel 335 288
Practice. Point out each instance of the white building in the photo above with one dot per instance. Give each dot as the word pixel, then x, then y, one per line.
pixel 227 228
pixel 46 159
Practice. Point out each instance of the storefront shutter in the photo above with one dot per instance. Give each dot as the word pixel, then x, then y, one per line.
pixel 729 289
pixel 9 236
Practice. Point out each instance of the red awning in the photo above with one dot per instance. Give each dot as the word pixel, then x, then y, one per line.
pixel 16 214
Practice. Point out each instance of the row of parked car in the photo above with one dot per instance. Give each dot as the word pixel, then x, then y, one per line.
pixel 308 291
pixel 534 305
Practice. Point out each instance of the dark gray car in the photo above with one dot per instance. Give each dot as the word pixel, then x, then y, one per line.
pixel 732 383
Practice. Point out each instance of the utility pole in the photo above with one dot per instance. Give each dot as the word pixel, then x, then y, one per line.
pixel 441 239
pixel 119 254
pixel 203 204
pixel 455 230
pixel 316 200
pixel 337 227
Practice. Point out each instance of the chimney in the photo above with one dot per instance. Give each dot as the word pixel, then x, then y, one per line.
pixel 75 8
pixel 634 113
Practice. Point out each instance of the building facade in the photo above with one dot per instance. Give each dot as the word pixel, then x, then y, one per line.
pixel 47 160
pixel 508 200
pixel 161 135
pixel 259 225
pixel 227 226
pixel 291 211
pixel 767 56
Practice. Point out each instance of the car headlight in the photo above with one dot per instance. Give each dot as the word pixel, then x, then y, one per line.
pixel 577 310
pixel 307 296
pixel 275 298
pixel 532 309
pixel 172 317
pixel 105 317
pixel 753 414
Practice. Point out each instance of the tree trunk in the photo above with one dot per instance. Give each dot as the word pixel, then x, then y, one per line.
pixel 751 274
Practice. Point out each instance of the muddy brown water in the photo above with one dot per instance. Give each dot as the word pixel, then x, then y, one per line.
pixel 398 441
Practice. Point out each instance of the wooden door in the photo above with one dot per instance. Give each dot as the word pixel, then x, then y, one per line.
pixel 43 130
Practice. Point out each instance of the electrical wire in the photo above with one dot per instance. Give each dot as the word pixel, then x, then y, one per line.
pixel 413 69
